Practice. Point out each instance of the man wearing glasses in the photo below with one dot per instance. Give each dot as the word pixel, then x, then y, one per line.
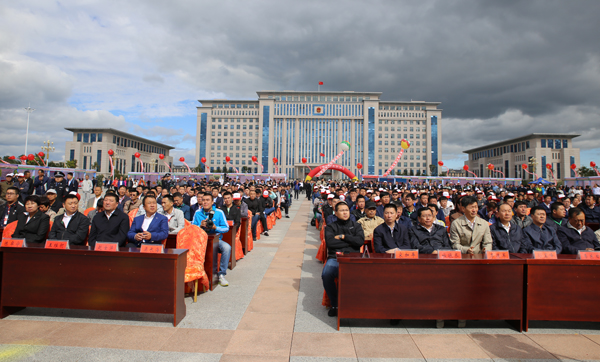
pixel 575 235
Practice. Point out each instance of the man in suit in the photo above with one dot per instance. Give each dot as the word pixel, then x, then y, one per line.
pixel 506 234
pixel 29 180
pixel 122 196
pixel 33 225
pixel 541 235
pixel 557 216
pixel 72 225
pixel 22 185
pixel 72 183
pixel 12 208
pixel 40 184
pixel 92 202
pixel 111 225
pixel 179 205
pixel 427 236
pixel 576 236
pixel 469 233
pixel 217 199
pixel 175 216
pixel 390 236
pixel 134 201
pixel 151 228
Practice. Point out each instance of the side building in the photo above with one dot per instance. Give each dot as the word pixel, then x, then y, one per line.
pixel 536 150
pixel 90 148
pixel 291 125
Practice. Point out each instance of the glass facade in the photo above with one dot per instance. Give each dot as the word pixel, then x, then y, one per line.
pixel 99 159
pixel 265 138
pixel 434 140
pixel 572 163
pixel 71 155
pixel 203 126
pixel 543 166
pixel 371 140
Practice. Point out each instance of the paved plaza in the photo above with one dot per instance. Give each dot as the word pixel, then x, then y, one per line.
pixel 272 311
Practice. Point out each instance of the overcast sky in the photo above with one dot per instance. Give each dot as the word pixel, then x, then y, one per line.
pixel 500 68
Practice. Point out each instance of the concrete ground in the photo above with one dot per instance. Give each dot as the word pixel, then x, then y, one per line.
pixel 272 312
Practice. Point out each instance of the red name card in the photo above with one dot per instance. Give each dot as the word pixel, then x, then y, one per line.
pixel 581 254
pixel 13 243
pixel 543 254
pixel 497 254
pixel 449 254
pixel 152 248
pixel 57 244
pixel 103 246
pixel 406 254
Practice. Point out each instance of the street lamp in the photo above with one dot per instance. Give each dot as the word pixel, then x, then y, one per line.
pixel 48 147
pixel 154 162
pixel 28 110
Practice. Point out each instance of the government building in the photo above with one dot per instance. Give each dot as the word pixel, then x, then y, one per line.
pixel 90 148
pixel 290 125
pixel 536 150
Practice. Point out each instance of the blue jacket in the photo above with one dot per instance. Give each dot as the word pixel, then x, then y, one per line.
pixel 186 211
pixel 332 218
pixel 159 228
pixel 572 242
pixel 218 218
pixel 405 221
pixel 428 242
pixel 383 240
pixel 543 238
pixel 555 224
pixel 591 215
pixel 40 185
pixel 514 242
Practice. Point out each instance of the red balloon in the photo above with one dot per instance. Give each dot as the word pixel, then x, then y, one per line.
pixel 203 160
pixel 31 157
pixel 303 160
pixel 23 158
pixel 592 164
pixel 359 165
pixel 41 154
pixel 440 163
pixel 254 159
pixel 466 167
pixel 275 160
pixel 182 159
pixel 549 166
pixel 12 158
pixel 161 156
pixel 137 155
pixel 490 167
pixel 524 166
pixel 111 152
pixel 573 166
pixel 227 158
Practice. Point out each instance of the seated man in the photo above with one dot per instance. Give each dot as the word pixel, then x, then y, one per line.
pixel 212 220
pixel 575 235
pixel 546 204
pixel 93 201
pixel 134 201
pixel 237 201
pixel 179 205
pixel 175 217
pixel 521 217
pixel 111 225
pixel 255 206
pixel 390 236
pixel 12 208
pixel 268 202
pixel 557 216
pixel 359 207
pixel 33 224
pixel 427 236
pixel 72 225
pixel 488 212
pixel 469 233
pixel 231 211
pixel 439 214
pixel 99 208
pixel 45 208
pixel 343 236
pixel 151 228
pixel 592 213
pixel 506 234
pixel 371 221
pixel 385 199
pixel 540 234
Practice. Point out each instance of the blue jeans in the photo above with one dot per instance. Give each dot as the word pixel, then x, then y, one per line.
pixel 330 272
pixel 269 210
pixel 225 251
pixel 255 219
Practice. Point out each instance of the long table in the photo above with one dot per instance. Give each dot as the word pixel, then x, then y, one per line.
pixel 80 278
pixel 472 288
pixel 564 289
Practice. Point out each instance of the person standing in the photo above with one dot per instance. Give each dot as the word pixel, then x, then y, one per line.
pixel 59 185
pixel 86 189
pixel 72 183
pixel 40 184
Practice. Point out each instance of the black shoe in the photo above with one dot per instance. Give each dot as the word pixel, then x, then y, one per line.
pixel 266 233
pixel 332 312
pixel 394 322
pixel 287 217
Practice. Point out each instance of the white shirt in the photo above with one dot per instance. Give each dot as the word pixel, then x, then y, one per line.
pixel 66 219
pixel 96 201
pixel 147 221
pixel 507 228
pixel 428 229
pixel 193 200
pixel 471 224
pixel 109 215
pixel 86 185
pixel 573 227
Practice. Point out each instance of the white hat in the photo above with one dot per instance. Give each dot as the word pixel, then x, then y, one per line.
pixel 20 174
pixel 376 198
pixel 342 198
pixel 9 175
pixel 330 196
pixel 529 192
pixel 237 196
pixel 445 194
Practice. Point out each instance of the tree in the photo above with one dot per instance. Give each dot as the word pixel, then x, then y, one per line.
pixel 405 172
pixel 432 170
pixel 443 174
pixel 218 170
pixel 72 164
pixel 424 173
pixel 412 173
pixel 56 164
pixel 199 168
pixel 584 171
pixel 418 172
pixel 244 169
pixel 398 172
pixel 7 159
pixel 95 166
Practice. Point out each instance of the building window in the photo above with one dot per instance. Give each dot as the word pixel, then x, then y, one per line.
pixel 86 138
pixel 93 137
pixel 543 143
pixel 72 155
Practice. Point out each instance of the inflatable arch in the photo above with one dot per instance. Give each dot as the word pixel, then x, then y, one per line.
pixel 336 167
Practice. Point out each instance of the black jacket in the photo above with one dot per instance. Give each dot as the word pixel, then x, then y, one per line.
pixel 16 209
pixel 232 214
pixel 254 206
pixel 35 230
pixel 543 238
pixel 327 211
pixel 591 215
pixel 383 240
pixel 359 215
pixel 555 224
pixel 61 191
pixel 514 242
pixel 354 237
pixel 112 230
pixel 428 242
pixel 75 232
pixel 572 242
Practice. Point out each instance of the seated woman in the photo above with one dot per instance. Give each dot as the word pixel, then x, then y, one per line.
pixel 151 228
pixel 32 225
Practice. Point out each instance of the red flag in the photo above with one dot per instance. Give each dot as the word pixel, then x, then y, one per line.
pixel 320 83
pixel 322 155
